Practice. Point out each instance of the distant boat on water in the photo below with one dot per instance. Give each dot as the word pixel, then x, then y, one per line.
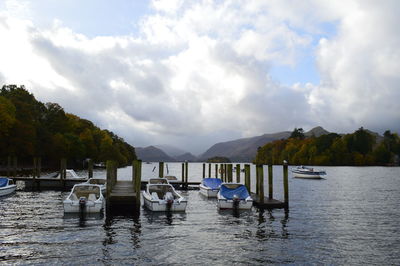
pixel 307 172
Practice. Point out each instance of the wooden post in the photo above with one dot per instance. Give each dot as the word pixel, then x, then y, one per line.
pixel 90 168
pixel 221 172
pixel 63 171
pixel 257 181
pixel 216 170
pixel 286 182
pixel 39 167
pixel 137 178
pixel 183 173
pixel 186 174
pixel 209 170
pixel 230 173
pixel 270 182
pixel 237 173
pixel 34 172
pixel 161 169
pixel 109 166
pixel 247 177
pixel 8 166
pixel 204 170
pixel 260 171
pixel 15 161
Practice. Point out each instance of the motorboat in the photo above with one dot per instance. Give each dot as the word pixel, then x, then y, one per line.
pixel 307 172
pixel 98 181
pixel 7 186
pixel 172 180
pixel 158 181
pixel 84 198
pixel 209 187
pixel 163 197
pixel 234 196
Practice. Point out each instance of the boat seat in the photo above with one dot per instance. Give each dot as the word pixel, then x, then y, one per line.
pixel 73 197
pixel 92 197
pixel 154 196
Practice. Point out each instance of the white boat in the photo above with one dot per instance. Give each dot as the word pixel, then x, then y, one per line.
pixel 84 198
pixel 307 172
pixel 158 181
pixel 163 197
pixel 209 187
pixel 234 196
pixel 7 186
pixel 98 181
pixel 70 174
pixel 172 180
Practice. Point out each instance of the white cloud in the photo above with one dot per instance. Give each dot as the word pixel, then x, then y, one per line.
pixel 198 72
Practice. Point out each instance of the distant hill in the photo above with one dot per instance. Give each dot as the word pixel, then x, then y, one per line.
pixel 186 157
pixel 170 150
pixel 245 149
pixel 153 154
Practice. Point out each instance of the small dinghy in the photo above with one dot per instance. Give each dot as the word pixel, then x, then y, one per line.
pixel 84 198
pixel 163 197
pixel 307 172
pixel 98 181
pixel 209 187
pixel 234 196
pixel 7 186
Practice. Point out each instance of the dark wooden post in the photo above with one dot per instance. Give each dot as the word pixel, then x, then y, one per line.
pixel 257 181
pixel 8 166
pixel 209 170
pixel 63 171
pixel 109 166
pixel 15 162
pixel 286 182
pixel 270 182
pixel 186 174
pixel 221 172
pixel 230 173
pixel 237 173
pixel 161 169
pixel 247 182
pixel 183 173
pixel 34 172
pixel 216 170
pixel 39 167
pixel 137 178
pixel 90 168
pixel 204 170
pixel 260 173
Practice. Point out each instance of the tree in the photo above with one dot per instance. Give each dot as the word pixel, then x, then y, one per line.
pixel 298 133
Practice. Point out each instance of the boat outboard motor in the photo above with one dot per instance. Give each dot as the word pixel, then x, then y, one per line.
pixel 236 201
pixel 169 198
pixel 82 204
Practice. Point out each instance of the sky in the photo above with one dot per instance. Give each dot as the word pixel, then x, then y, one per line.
pixel 193 73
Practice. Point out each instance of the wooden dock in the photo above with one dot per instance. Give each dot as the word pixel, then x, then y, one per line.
pixel 123 192
pixel 42 183
pixel 268 203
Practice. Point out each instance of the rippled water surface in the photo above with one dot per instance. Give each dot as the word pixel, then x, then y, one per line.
pixel 351 217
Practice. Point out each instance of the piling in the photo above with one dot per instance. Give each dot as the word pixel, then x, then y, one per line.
pixel 230 173
pixel 186 174
pixel 270 182
pixel 257 182
pixel 183 173
pixel 161 169
pixel 204 170
pixel 137 178
pixel 247 177
pixel 90 168
pixel 221 172
pixel 111 176
pixel 209 170
pixel 15 162
pixel 260 177
pixel 63 172
pixel 8 166
pixel 286 183
pixel 216 170
pixel 237 173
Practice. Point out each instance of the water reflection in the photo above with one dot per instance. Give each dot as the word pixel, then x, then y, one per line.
pixel 83 217
pixel 266 228
pixel 166 218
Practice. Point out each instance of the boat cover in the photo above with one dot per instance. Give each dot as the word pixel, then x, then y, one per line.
pixel 213 183
pixel 241 192
pixel 3 182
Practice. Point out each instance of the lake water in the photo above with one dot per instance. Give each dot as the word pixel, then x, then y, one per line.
pixel 351 217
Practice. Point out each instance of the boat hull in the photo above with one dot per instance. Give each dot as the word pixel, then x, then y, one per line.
pixel 90 207
pixel 161 205
pixel 7 190
pixel 228 204
pixel 307 176
pixel 208 192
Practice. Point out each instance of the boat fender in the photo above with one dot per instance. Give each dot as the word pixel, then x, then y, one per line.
pixel 82 204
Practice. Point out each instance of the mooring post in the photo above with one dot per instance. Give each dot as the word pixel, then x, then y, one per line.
pixel 237 173
pixel 90 168
pixel 186 174
pixel 230 173
pixel 204 170
pixel 260 170
pixel 34 171
pixel 247 177
pixel 63 171
pixel 257 181
pixel 15 161
pixel 39 167
pixel 270 182
pixel 220 172
pixel 161 169
pixel 216 170
pixel 183 173
pixel 286 182
pixel 137 178
pixel 109 165
pixel 209 170
pixel 8 166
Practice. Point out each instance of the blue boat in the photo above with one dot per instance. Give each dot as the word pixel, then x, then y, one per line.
pixel 234 196
pixel 209 187
pixel 7 186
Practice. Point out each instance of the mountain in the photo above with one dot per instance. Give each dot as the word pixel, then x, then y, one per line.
pixel 153 154
pixel 170 150
pixel 245 149
pixel 186 157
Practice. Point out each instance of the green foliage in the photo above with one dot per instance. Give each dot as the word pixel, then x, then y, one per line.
pixel 358 148
pixel 31 128
pixel 218 159
pixel 298 133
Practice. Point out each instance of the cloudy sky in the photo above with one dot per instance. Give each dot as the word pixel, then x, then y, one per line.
pixel 193 73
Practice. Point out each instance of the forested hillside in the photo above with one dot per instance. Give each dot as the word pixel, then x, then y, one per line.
pixel 359 148
pixel 31 128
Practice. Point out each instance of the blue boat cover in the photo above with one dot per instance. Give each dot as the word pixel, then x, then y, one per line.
pixel 3 181
pixel 241 192
pixel 213 183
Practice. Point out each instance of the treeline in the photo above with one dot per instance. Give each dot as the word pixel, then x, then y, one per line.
pixel 30 128
pixel 360 148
